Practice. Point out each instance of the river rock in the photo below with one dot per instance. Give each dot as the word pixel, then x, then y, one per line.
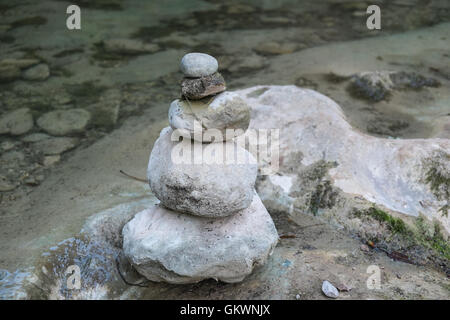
pixel 39 72
pixel 164 245
pixel 199 187
pixel 17 122
pixel 195 65
pixel 64 122
pixel 198 88
pixel 329 290
pixel 226 111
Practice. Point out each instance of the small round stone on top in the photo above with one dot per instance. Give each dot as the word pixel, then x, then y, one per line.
pixel 195 65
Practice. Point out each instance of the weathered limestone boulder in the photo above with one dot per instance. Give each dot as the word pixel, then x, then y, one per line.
pixel 408 176
pixel 201 183
pixel 226 111
pixel 164 245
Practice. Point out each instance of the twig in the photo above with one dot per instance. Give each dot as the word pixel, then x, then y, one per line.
pixel 133 177
pixel 124 280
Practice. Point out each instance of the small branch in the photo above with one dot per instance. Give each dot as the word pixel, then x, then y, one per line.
pixel 124 280
pixel 132 177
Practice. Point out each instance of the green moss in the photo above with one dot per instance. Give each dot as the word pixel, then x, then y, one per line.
pixel 396 225
pixel 423 235
pixel 438 178
pixel 433 238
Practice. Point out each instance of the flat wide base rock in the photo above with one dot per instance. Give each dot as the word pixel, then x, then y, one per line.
pixel 164 245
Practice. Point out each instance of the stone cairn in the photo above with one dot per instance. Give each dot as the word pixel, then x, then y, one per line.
pixel 210 223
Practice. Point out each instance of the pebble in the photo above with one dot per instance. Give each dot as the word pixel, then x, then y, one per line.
pixel 195 65
pixel 39 72
pixel 17 122
pixel 51 160
pixel 129 46
pixel 64 122
pixel 55 146
pixel 329 290
pixel 5 184
pixel 364 248
pixel 198 88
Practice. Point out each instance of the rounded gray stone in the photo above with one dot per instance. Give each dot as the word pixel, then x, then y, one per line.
pixel 164 245
pixel 17 122
pixel 198 187
pixel 195 65
pixel 64 122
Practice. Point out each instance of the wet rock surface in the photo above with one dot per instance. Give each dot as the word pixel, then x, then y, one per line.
pixel 17 122
pixel 64 122
pixel 195 65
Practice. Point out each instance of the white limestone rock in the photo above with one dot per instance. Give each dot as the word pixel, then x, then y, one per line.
pixel 199 186
pixel 387 172
pixel 226 111
pixel 195 65
pixel 164 245
pixel 329 290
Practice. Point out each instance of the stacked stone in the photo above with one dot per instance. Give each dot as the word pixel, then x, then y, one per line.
pixel 210 223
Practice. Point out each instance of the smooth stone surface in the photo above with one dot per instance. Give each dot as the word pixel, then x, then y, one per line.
pixel 17 122
pixel 209 190
pixel 39 72
pixel 54 146
pixel 226 111
pixel 63 122
pixel 195 65
pixel 164 245
pixel 387 172
pixel 329 290
pixel 198 88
